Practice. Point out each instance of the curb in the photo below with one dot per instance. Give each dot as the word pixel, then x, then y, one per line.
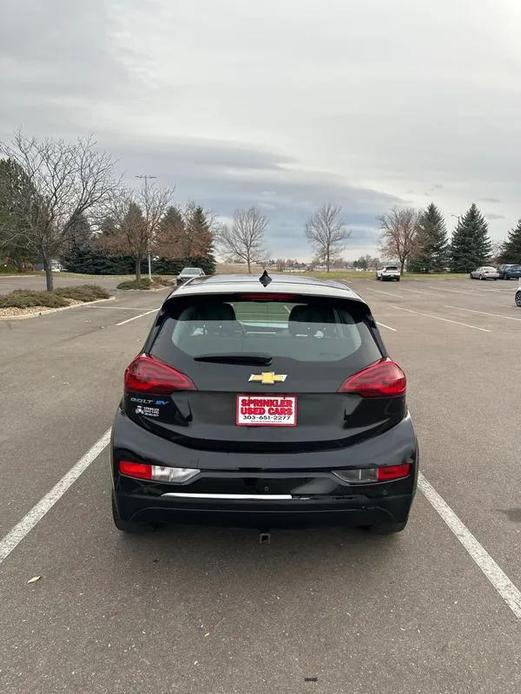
pixel 55 310
pixel 158 289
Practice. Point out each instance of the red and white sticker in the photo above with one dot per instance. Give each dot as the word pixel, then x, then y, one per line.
pixel 266 410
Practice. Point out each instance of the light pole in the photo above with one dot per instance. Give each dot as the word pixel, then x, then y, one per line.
pixel 145 178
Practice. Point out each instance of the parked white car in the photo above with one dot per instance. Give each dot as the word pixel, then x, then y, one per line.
pixel 388 272
pixel 484 273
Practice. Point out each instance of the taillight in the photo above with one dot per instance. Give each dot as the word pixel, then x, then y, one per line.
pixel 158 473
pixel 383 379
pixel 393 472
pixel 368 475
pixel 150 375
pixel 140 470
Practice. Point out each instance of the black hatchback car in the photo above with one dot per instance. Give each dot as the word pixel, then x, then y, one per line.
pixel 264 403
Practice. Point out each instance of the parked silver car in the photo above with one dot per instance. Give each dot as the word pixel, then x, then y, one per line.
pixel 485 272
pixel 188 273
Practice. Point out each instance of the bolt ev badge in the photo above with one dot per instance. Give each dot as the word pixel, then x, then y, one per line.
pixel 268 378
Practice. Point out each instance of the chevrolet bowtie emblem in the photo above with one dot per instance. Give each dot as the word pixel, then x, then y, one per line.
pixel 268 378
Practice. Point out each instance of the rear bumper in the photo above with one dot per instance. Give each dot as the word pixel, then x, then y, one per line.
pixel 353 511
pixel 288 489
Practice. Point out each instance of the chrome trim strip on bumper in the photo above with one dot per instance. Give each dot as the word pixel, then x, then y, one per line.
pixel 235 497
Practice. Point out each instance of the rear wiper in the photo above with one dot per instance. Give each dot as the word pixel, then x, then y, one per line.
pixel 248 359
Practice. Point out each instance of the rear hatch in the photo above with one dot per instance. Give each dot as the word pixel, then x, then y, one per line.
pixel 264 372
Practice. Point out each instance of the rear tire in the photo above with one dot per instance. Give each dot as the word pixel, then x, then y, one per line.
pixel 386 528
pixel 518 299
pixel 128 526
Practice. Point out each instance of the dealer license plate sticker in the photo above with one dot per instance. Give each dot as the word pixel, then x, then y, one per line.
pixel 266 410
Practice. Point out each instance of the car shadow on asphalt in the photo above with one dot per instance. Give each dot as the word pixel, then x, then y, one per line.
pixel 237 554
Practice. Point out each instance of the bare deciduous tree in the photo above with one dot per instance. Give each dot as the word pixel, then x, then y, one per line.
pixel 137 219
pixel 399 234
pixel 327 234
pixel 62 181
pixel 154 201
pixel 244 240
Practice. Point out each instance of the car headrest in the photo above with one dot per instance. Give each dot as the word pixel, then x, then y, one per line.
pixel 315 315
pixel 212 312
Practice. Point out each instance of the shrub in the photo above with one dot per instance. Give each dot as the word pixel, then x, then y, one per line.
pixel 25 298
pixel 143 283
pixel 83 292
pixel 163 281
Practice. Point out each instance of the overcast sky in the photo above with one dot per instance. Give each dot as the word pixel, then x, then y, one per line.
pixel 283 104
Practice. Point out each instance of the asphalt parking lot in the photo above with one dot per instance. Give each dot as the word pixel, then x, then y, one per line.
pixel 433 609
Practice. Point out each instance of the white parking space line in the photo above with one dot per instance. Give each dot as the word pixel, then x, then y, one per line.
pixel 493 572
pixel 381 291
pixel 382 325
pixel 417 291
pixel 483 313
pixel 445 320
pixel 452 291
pixel 474 290
pixel 28 522
pixel 129 320
pixel 497 577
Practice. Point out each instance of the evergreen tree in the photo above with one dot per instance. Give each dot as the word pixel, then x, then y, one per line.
pixel 471 246
pixel 432 245
pixel 185 238
pixel 15 192
pixel 108 227
pixel 511 251
pixel 199 232
pixel 78 255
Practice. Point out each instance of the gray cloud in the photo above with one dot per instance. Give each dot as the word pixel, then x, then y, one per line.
pixel 281 104
pixel 492 215
pixel 225 176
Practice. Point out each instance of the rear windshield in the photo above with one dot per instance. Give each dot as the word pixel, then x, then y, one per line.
pixel 191 271
pixel 390 267
pixel 300 329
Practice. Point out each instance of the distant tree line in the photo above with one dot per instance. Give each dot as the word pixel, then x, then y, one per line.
pixel 61 200
pixel 419 241
pixel 183 237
